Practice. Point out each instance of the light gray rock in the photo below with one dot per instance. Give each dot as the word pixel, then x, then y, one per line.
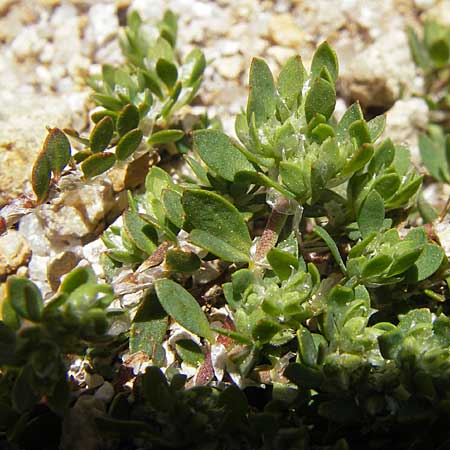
pixel 14 252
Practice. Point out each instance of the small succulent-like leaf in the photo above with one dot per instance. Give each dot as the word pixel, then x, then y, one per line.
pixel 7 344
pixel 433 157
pixel 194 66
pixel 376 266
pixel 376 127
pixel 141 233
pixel 57 149
pixel 427 263
pixel 165 137
pixel 262 97
pixel 180 305
pixel 293 178
pixel 360 131
pixel 440 52
pixel 128 144
pixel 418 49
pixel 97 164
pixel 371 214
pixel 77 277
pixel 218 152
pixel 387 185
pixel 265 329
pixel 325 56
pixel 41 176
pixel 23 396
pixel 352 114
pixel 321 99
pixel 128 119
pixel 173 208
pixel 167 72
pixel 291 80
pixel 25 297
pixel 211 213
pixel 282 263
pixel 101 135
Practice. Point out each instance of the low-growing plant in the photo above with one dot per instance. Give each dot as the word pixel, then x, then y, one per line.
pixel 282 283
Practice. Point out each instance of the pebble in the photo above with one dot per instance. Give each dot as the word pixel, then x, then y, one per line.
pixel 14 252
pixel 285 32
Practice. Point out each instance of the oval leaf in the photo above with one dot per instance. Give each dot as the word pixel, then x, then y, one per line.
pixel 141 233
pixel 57 148
pixel 128 144
pixel 97 164
pixel 325 56
pixel 101 135
pixel 167 72
pixel 184 309
pixel 371 214
pixel 165 137
pixel 128 119
pixel 40 177
pixel 219 153
pixel 321 99
pixel 213 214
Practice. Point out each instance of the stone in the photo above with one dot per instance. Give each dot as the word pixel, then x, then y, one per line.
pixel 285 32
pixel 381 72
pixel 230 67
pixel 61 264
pixel 14 252
pixel 105 393
pixel 404 121
pixel 24 118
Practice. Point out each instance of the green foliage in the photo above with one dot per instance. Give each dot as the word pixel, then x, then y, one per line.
pixel 285 269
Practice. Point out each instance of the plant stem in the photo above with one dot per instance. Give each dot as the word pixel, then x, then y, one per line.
pixel 271 232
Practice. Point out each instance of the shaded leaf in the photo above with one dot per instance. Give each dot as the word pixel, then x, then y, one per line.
pixel 97 164
pixel 167 72
pixel 180 305
pixel 101 135
pixel 128 119
pixel 141 233
pixel 40 177
pixel 128 144
pixel 165 137
pixel 321 99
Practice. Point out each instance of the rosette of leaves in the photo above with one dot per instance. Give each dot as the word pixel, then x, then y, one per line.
pixel 378 377
pixel 383 258
pixel 36 339
pixel 432 54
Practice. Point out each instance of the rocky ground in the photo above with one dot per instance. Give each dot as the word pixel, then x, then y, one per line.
pixel 50 47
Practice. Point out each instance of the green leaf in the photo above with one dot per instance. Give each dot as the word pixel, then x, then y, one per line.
pixel 376 127
pixel 371 214
pixel 190 352
pixel 307 347
pixel 23 396
pixel 387 185
pixel 167 72
pixel 57 149
pixel 165 137
pixel 323 234
pixel 440 52
pixel 404 261
pixel 321 99
pixel 291 80
pixel 77 277
pixel 128 144
pixel 194 66
pixel 261 179
pixel 293 177
pixel 433 157
pixel 97 164
pixel 360 131
pixel 108 102
pixel 141 233
pixel 217 246
pixel 101 135
pixel 304 376
pixel 418 50
pixel 352 114
pixel 210 213
pixel 262 96
pixel 7 344
pixel 325 56
pixel 180 305
pixel 264 330
pixel 148 329
pixel 172 206
pixel 283 263
pixel 128 119
pixel 376 266
pixel 179 261
pixel 40 177
pixel 427 263
pixel 218 152
pixel 25 297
